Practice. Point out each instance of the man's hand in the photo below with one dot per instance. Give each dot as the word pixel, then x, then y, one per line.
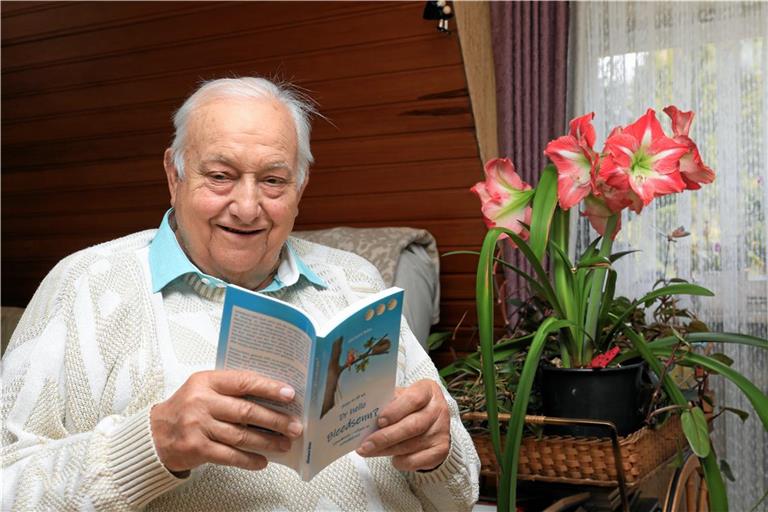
pixel 208 420
pixel 415 428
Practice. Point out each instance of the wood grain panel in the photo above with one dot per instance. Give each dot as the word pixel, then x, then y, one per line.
pixel 388 178
pixel 375 58
pixel 44 20
pixel 137 33
pixel 94 175
pixel 161 60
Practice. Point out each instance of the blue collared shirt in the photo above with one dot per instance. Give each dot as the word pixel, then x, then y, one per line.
pixel 167 262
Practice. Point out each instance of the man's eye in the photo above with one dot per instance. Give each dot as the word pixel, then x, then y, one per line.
pixel 274 180
pixel 219 176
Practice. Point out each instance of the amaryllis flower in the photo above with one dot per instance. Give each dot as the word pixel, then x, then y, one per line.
pixel 505 197
pixel 641 158
pixel 692 169
pixel 598 212
pixel 575 160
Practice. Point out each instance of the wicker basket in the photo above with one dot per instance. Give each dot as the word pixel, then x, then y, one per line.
pixel 589 460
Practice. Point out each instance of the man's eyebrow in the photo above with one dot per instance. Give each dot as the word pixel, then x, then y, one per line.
pixel 277 165
pixel 218 158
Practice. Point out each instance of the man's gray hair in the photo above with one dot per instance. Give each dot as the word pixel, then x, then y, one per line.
pixel 299 105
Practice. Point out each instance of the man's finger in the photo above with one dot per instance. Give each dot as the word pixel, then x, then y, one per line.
pixel 412 445
pixel 413 426
pixel 248 439
pixel 225 455
pixel 410 400
pixel 245 412
pixel 245 383
pixel 424 460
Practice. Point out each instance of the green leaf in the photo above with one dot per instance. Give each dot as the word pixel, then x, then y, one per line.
pixel 544 203
pixel 744 415
pixel 434 340
pixel 697 326
pixel 719 356
pixel 725 469
pixel 595 262
pixel 618 255
pixel 676 289
pixel 535 262
pixel 718 497
pixel 696 431
pixel 507 485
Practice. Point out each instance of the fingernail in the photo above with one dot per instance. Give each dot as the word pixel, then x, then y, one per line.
pixel 285 444
pixel 383 422
pixel 287 392
pixel 295 428
pixel 366 447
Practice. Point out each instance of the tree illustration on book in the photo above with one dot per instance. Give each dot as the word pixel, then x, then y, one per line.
pixel 353 359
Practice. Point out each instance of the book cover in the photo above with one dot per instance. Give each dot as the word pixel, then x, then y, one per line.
pixel 343 369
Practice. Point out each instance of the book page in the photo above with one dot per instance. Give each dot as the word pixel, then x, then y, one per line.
pixel 272 347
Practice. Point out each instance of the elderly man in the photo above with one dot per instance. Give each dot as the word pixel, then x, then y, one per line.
pixel 110 401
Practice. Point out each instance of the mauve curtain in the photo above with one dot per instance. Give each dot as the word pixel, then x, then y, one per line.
pixel 530 46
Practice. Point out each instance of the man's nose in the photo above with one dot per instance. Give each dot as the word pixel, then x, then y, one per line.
pixel 246 202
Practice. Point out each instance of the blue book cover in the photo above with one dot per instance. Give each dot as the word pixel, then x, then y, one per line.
pixel 343 369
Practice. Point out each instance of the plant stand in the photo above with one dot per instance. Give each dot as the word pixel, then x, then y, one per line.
pixel 616 462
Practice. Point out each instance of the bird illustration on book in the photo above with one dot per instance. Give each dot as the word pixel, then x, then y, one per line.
pixel 354 359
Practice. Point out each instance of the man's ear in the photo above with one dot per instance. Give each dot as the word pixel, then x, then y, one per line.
pixel 171 174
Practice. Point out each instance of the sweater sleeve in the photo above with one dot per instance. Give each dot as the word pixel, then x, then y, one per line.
pixel 66 443
pixel 453 485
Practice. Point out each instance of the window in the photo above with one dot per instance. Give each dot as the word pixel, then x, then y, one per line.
pixel 711 58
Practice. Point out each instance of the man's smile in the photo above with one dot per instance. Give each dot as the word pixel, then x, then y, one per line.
pixel 244 232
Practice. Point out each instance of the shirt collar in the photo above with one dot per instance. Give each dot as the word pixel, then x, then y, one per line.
pixel 167 262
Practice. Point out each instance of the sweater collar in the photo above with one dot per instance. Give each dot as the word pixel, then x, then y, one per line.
pixel 167 262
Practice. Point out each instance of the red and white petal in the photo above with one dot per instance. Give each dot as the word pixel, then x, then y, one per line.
pixel 582 129
pixel 681 121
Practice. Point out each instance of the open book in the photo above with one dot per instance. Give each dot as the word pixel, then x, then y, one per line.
pixel 343 371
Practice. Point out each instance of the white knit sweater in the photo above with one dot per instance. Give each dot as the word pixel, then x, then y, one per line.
pixel 96 349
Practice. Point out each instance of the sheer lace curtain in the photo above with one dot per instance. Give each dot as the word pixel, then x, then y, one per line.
pixel 711 58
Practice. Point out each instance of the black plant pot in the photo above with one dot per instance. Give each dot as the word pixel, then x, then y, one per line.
pixel 612 394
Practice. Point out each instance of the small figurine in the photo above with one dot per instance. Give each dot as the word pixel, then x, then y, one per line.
pixel 438 10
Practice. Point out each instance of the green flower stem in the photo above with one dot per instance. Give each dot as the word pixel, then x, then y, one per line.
pixel 485 306
pixel 596 295
pixel 564 284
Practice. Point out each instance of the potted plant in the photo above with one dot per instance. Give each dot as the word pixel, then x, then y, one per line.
pixel 585 322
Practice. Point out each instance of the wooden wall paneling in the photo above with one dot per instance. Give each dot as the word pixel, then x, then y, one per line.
pixel 374 58
pixel 42 20
pixel 88 91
